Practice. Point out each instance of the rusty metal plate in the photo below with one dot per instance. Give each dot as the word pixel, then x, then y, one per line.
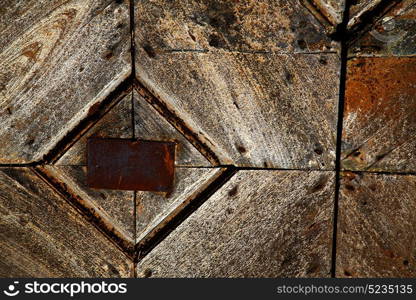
pixel 124 164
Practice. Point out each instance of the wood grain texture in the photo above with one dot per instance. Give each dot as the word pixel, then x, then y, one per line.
pixel 392 35
pixel 379 116
pixel 333 10
pixel 117 123
pixel 58 59
pixel 155 209
pixel 359 9
pixel 278 26
pixel 150 125
pixel 254 110
pixel 259 224
pixel 116 207
pixel 377 226
pixel 43 236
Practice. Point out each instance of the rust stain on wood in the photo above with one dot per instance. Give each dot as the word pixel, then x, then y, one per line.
pixel 379 115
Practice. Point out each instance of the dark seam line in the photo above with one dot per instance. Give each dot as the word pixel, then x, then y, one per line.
pixel 392 173
pixel 135 234
pixel 343 36
pixel 132 41
pixel 147 245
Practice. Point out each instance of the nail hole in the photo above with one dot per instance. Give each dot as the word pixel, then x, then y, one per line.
pixel 149 51
pixel 241 149
pixel 323 61
pixel 233 191
pixel 318 151
pixel 406 262
pixel 350 187
pixel 346 273
pixel 147 273
pixel 301 44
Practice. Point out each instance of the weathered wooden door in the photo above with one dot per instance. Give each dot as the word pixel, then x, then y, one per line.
pixel 294 125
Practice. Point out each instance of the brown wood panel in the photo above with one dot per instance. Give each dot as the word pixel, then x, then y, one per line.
pixel 58 59
pixel 150 125
pixel 264 25
pixel 155 209
pixel 43 236
pixel 259 224
pixel 379 115
pixel 377 226
pixel 254 110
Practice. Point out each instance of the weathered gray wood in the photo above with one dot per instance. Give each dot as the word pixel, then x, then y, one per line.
pixel 280 26
pixel 392 35
pixel 114 206
pixel 377 226
pixel 379 116
pixel 259 224
pixel 117 123
pixel 58 58
pixel 150 125
pixel 254 110
pixel 154 210
pixel 43 236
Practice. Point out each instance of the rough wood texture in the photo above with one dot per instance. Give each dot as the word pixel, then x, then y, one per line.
pixel 154 209
pixel 394 34
pixel 259 224
pixel 114 206
pixel 380 115
pixel 43 236
pixel 333 10
pixel 377 225
pixel 255 110
pixel 280 26
pixel 117 123
pixel 58 59
pixel 150 125
pixel 359 9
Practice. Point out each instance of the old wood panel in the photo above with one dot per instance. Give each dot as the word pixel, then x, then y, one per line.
pixel 150 125
pixel 377 226
pixel 333 10
pixel 43 236
pixel 394 34
pixel 117 123
pixel 58 58
pixel 155 209
pixel 259 224
pixel 114 207
pixel 379 117
pixel 257 110
pixel 280 26
pixel 359 9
